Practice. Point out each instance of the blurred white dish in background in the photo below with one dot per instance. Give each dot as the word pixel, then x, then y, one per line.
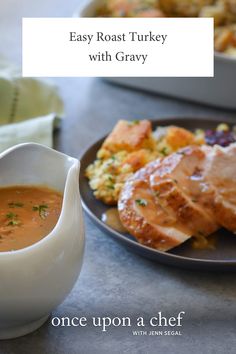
pixel 218 91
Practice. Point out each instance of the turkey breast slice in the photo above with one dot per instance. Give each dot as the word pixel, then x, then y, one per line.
pixel 179 184
pixel 220 172
pixel 145 218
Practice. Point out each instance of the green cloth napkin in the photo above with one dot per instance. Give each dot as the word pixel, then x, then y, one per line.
pixel 22 99
pixel 37 130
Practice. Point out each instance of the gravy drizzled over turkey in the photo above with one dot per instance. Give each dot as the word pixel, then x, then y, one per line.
pixel 189 193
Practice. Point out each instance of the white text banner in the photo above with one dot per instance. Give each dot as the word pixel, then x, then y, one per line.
pixel 69 47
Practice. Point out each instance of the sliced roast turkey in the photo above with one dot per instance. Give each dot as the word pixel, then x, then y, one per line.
pixel 191 192
pixel 220 173
pixel 180 186
pixel 144 217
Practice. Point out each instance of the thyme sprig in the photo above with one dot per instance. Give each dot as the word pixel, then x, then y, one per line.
pixel 42 210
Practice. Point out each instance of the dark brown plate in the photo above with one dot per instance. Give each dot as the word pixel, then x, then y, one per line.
pixel 221 258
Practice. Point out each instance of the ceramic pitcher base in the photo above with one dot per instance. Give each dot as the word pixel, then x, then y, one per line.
pixel 22 330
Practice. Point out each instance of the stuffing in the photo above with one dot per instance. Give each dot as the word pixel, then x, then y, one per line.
pixel 129 136
pixel 134 8
pixel 129 147
pixel 225 39
pixel 223 12
pixel 183 8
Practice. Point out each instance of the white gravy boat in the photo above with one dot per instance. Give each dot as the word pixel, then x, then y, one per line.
pixel 36 279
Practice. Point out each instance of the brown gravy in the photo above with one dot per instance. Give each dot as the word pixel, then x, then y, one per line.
pixel 111 218
pixel 27 214
pixel 201 243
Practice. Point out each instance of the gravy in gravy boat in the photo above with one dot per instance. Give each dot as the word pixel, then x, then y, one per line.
pixel 27 214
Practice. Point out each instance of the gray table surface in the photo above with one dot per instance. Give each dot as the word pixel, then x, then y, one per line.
pixel 114 281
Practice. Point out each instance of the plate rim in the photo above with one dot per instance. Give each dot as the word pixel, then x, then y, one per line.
pixel 122 238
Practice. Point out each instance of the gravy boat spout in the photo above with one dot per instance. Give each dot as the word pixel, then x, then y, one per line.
pixel 36 279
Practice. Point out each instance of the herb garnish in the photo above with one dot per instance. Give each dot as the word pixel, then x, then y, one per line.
pixel 13 219
pixel 181 152
pixel 11 215
pixel 164 151
pixel 13 223
pixel 141 202
pixel 41 209
pixel 15 205
pixel 134 122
